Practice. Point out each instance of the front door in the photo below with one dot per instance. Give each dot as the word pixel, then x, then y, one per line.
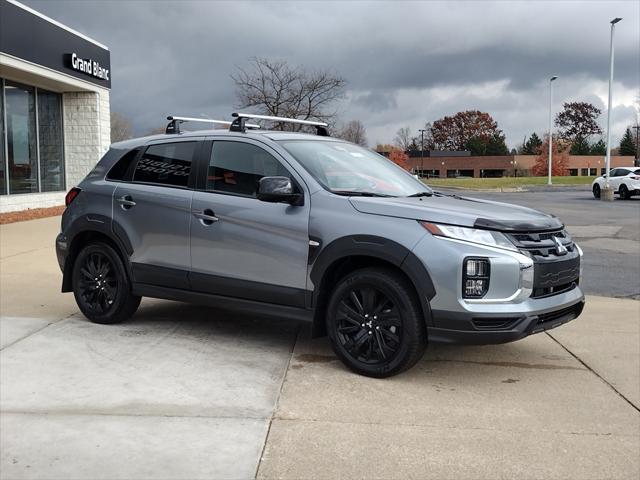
pixel 243 247
pixel 153 211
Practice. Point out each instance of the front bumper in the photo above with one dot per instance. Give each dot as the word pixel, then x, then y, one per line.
pixel 489 328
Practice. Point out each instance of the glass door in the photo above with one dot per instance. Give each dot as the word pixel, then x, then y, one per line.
pixel 22 158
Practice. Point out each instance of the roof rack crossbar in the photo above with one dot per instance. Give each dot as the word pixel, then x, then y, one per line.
pixel 175 121
pixel 239 124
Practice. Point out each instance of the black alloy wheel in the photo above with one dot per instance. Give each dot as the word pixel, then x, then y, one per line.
pixel 596 191
pixel 369 325
pixel 101 286
pixel 375 322
pixel 624 192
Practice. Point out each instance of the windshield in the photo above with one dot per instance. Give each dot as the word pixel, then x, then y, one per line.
pixel 345 168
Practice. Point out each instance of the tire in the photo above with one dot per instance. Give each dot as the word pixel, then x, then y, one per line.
pixel 623 191
pixel 596 191
pixel 369 345
pixel 101 286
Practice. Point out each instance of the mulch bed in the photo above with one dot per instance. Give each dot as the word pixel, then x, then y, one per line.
pixel 30 214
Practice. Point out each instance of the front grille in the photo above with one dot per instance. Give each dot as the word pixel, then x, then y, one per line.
pixel 541 245
pixel 542 292
pixel 556 269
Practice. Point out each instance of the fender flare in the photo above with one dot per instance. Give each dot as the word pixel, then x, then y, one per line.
pixel 97 224
pixel 377 247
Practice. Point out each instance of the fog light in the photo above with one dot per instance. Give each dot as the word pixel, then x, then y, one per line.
pixel 475 277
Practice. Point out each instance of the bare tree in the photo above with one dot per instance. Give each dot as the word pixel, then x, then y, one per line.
pixel 403 138
pixel 355 132
pixel 279 89
pixel 121 128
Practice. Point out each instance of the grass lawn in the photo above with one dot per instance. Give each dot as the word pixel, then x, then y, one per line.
pixel 504 182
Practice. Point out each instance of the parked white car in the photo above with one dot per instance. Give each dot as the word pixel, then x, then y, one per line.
pixel 624 180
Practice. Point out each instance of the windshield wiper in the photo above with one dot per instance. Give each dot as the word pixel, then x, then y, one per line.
pixel 421 194
pixel 357 193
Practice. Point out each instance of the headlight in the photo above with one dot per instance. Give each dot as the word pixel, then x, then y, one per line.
pixel 472 235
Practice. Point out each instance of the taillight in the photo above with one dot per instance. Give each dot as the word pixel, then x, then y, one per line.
pixel 71 196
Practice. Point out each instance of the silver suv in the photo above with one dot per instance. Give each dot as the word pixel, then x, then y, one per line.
pixel 305 226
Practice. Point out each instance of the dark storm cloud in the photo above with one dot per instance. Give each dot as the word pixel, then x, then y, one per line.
pixel 402 59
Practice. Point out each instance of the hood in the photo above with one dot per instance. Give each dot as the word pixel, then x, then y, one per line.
pixel 463 211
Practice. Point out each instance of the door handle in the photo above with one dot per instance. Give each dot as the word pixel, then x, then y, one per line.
pixel 126 202
pixel 207 217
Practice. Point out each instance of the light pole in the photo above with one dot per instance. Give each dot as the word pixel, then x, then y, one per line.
pixel 550 127
pixel 609 194
pixel 422 130
pixel 637 127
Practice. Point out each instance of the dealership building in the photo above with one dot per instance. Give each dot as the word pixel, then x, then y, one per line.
pixel 54 107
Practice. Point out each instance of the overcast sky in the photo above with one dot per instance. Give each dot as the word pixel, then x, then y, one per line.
pixel 405 62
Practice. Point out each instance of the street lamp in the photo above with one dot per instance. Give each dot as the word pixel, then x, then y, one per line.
pixel 637 127
pixel 608 196
pixel 550 132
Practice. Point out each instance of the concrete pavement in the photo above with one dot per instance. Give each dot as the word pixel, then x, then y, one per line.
pixel 183 391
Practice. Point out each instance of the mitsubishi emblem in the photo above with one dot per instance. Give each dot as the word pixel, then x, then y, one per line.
pixel 560 248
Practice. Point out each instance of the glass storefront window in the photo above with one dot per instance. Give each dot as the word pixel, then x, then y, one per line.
pixel 31 150
pixel 22 158
pixel 3 162
pixel 50 145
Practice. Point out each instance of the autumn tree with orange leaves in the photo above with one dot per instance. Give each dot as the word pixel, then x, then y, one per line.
pixel 470 130
pixel 559 161
pixel 400 158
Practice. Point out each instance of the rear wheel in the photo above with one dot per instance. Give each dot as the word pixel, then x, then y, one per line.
pixel 375 323
pixel 596 191
pixel 100 285
pixel 623 191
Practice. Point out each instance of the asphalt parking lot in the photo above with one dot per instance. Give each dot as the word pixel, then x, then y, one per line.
pixel 182 391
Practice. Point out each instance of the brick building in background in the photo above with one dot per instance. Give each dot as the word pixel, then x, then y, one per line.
pixel 54 107
pixel 463 164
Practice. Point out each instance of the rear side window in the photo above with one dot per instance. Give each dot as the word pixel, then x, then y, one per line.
pixel 166 164
pixel 237 167
pixel 119 171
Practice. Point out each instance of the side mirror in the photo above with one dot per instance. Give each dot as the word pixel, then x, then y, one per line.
pixel 278 190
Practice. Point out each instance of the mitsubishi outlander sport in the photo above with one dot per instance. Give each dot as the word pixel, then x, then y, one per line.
pixel 305 226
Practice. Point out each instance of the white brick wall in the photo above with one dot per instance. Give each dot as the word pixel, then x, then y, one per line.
pixel 87 132
pixel 24 201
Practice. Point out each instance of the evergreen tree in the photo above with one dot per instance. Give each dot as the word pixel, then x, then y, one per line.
pixel 598 148
pixel 580 146
pixel 476 146
pixel 496 145
pixel 532 145
pixel 627 147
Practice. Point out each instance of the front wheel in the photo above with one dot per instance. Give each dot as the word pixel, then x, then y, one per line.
pixel 596 191
pixel 375 323
pixel 100 285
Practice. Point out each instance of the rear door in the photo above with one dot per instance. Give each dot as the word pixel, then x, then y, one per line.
pixel 153 210
pixel 240 246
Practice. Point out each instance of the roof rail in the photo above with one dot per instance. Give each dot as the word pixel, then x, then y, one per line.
pixel 239 124
pixel 174 123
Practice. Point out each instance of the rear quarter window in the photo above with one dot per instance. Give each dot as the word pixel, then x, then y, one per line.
pixel 119 171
